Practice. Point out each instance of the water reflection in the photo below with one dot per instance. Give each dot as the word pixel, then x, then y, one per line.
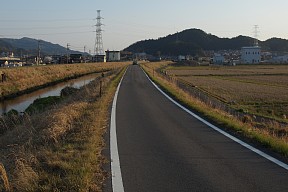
pixel 22 102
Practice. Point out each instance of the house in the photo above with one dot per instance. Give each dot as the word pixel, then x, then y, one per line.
pixel 181 58
pixel 251 55
pixel 218 59
pixel 140 56
pixel 280 59
pixel 99 58
pixel 126 56
pixel 113 56
pixel 6 61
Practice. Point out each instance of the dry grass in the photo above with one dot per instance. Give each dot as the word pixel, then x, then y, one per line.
pixel 4 183
pixel 239 91
pixel 60 149
pixel 23 78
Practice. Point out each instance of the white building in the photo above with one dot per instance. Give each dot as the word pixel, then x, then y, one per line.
pixel 181 58
pixel 251 55
pixel 218 59
pixel 280 59
pixel 113 56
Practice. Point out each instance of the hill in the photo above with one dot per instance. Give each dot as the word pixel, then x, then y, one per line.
pixel 195 41
pixel 30 46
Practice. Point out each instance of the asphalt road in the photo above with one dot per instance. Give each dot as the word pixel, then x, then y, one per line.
pixel 163 148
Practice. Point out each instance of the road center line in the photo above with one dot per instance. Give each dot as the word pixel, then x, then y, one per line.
pixel 270 158
pixel 117 182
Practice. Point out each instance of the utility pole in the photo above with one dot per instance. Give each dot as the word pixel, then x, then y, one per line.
pixel 68 46
pixel 38 53
pixel 85 54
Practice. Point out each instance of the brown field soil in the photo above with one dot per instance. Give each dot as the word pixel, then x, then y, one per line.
pixel 261 90
pixel 24 78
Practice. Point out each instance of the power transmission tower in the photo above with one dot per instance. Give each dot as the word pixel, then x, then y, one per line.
pixel 256 32
pixel 98 48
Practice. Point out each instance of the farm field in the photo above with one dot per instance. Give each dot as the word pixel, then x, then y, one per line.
pixel 257 89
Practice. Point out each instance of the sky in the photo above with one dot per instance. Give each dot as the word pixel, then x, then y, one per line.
pixel 128 21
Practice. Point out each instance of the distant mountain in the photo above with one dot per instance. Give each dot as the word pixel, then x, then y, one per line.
pixel 4 46
pixel 30 46
pixel 195 41
pixel 275 44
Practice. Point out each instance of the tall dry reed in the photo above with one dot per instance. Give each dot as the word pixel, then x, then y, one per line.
pixel 4 183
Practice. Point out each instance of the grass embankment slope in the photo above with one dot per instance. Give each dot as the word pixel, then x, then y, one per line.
pixel 23 79
pixel 264 135
pixel 60 149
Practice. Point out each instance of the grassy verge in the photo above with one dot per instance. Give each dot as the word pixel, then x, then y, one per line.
pixel 60 149
pixel 26 79
pixel 243 129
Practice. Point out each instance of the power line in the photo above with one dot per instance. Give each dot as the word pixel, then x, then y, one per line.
pixel 54 27
pixel 31 34
pixel 43 20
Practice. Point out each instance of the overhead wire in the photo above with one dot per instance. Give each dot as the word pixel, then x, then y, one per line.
pixel 55 27
pixel 43 20
pixel 37 34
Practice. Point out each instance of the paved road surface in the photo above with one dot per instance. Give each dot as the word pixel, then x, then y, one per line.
pixel 162 148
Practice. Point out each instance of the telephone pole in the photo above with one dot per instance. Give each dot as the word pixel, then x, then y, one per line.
pixel 85 54
pixel 68 46
pixel 38 53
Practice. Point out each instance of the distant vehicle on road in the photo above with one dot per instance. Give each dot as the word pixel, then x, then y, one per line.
pixel 135 62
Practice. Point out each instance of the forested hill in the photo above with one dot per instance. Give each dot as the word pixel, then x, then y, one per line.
pixel 194 41
pixel 30 46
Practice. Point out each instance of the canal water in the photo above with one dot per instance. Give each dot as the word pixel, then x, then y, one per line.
pixel 22 102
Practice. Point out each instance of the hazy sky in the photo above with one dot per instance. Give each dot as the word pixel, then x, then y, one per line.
pixel 128 21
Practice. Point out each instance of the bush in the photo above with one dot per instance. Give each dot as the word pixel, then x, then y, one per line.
pixel 42 103
pixel 68 91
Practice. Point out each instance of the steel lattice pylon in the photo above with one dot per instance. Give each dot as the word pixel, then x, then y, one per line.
pixel 98 48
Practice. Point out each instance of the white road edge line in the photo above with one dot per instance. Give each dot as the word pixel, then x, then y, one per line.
pixel 117 182
pixel 270 158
